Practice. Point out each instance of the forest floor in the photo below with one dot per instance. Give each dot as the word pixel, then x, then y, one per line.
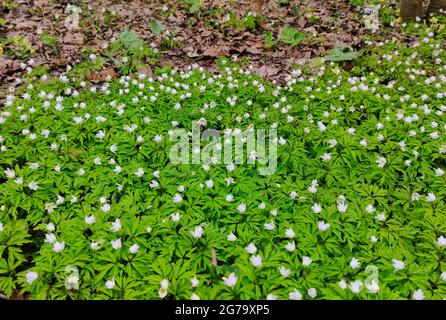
pixel 185 32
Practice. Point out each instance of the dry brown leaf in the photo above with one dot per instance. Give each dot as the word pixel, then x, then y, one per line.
pixel 206 33
pixel 256 6
pixel 215 51
pixel 40 3
pixel 166 63
pixel 146 70
pixel 74 38
pixel 27 24
pixel 102 75
pixel 310 30
pixel 5 64
pixel 267 71
pixel 253 50
pixel 58 62
pixel 191 53
pixel 302 22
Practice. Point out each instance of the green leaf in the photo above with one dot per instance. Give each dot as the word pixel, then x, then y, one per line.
pixel 194 5
pixel 269 40
pixel 291 36
pixel 342 53
pixel 156 27
pixel 130 40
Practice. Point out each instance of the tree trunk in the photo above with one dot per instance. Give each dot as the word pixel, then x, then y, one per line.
pixel 410 9
pixel 436 5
